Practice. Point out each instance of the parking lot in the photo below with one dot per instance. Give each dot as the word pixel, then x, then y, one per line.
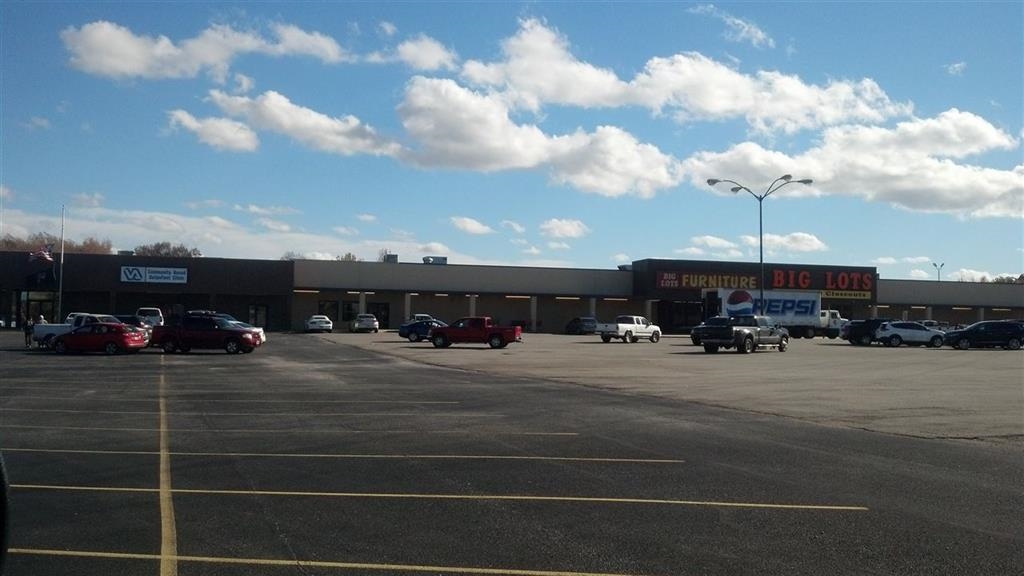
pixel 366 454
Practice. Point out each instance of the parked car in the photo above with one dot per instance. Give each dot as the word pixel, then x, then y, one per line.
pixel 697 333
pixel 862 332
pixel 896 333
pixel 628 329
pixel 229 318
pixel 421 317
pixel 418 330
pixel 364 323
pixel 319 323
pixel 133 320
pixel 746 333
pixel 581 325
pixel 1008 334
pixel 475 329
pixel 153 316
pixel 46 334
pixel 101 337
pixel 205 332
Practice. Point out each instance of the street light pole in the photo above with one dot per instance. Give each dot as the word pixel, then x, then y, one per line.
pixel 778 183
pixel 938 271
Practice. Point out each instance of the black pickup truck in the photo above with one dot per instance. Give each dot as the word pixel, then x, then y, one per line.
pixel 861 332
pixel 746 334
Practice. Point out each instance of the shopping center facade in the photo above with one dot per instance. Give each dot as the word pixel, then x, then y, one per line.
pixel 281 294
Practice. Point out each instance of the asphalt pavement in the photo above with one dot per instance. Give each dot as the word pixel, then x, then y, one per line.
pixel 313 456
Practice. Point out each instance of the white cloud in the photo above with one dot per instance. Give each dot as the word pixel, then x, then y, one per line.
pixel 532 250
pixel 387 28
pixel 916 259
pixel 88 200
pixel 515 226
pixel 243 84
pixel 425 53
pixel 884 261
pixel 690 251
pixel 470 226
pixel 346 230
pixel 968 275
pixel 558 246
pixel 519 241
pixel 886 165
pixel 620 258
pixel 738 30
pixel 564 228
pixel 366 218
pixel 220 133
pixel 37 123
pixel 266 210
pixel 6 193
pixel 210 203
pixel 795 242
pixel 956 68
pixel 275 112
pixel 713 242
pixel 275 225
pixel 918 274
pixel 108 49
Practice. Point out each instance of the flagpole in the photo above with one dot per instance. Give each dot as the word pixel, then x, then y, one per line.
pixel 60 281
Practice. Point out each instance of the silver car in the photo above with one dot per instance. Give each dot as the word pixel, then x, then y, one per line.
pixel 913 333
pixel 319 323
pixel 364 323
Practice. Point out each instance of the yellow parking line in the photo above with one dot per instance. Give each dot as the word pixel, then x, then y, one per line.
pixel 81 397
pixel 168 529
pixel 359 456
pixel 282 414
pixel 313 564
pixel 507 497
pixel 280 430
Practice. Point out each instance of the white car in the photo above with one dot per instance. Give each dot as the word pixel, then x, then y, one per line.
pixel 151 316
pixel 260 331
pixel 914 333
pixel 319 323
pixel 364 323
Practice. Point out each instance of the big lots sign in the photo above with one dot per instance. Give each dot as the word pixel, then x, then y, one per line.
pixel 858 283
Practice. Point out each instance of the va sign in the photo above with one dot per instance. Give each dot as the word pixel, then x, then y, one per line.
pixel 154 275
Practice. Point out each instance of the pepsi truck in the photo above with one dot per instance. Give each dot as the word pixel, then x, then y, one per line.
pixel 799 312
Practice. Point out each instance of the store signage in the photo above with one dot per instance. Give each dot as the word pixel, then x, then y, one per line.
pixel 841 283
pixel 688 280
pixel 154 275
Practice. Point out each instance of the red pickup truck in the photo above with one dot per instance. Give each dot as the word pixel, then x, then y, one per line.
pixel 475 330
pixel 209 332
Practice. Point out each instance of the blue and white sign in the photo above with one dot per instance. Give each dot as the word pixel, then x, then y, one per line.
pixel 154 275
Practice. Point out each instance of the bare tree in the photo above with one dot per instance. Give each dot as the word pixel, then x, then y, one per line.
pixel 348 257
pixel 42 239
pixel 167 249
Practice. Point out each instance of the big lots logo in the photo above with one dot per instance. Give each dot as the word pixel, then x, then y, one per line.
pixel 740 302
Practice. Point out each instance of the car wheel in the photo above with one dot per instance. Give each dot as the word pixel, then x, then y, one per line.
pixel 747 346
pixel 711 348
pixel 413 337
pixel 440 341
pixel 936 342
pixel 809 333
pixel 47 342
pixel 1013 344
pixel 895 341
pixel 655 336
pixel 169 346
pixel 111 348
pixel 783 344
pixel 232 346
pixel 696 341
pixel 495 341
pixel 865 340
pixel 963 344
pixel 60 347
pixel 605 338
pixel 627 337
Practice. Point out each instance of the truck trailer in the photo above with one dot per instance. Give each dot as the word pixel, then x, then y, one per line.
pixel 799 312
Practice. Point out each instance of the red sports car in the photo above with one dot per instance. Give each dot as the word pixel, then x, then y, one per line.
pixel 101 337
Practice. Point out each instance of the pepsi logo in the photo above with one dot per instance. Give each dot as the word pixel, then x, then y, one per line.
pixel 739 303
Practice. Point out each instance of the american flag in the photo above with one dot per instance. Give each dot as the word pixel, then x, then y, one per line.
pixel 42 254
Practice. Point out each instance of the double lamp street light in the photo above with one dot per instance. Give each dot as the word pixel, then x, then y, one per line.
pixel 779 182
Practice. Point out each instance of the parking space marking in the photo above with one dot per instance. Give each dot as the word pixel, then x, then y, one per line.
pixel 360 456
pixel 151 412
pixel 312 563
pixel 168 529
pixel 279 430
pixel 116 399
pixel 503 497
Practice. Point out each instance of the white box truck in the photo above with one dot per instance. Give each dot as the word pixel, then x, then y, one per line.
pixel 799 312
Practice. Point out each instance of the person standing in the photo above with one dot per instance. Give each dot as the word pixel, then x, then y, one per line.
pixel 26 327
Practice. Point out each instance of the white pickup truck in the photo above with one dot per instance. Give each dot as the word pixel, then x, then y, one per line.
pixel 628 329
pixel 45 334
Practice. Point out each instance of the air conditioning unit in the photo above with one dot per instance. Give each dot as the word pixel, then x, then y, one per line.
pixel 391 258
pixel 435 259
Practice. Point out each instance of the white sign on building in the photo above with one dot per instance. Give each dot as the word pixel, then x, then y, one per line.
pixel 154 275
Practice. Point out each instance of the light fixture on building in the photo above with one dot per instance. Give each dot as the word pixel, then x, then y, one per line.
pixel 518 297
pixel 298 291
pixel 616 299
pixel 440 294
pixel 567 297
pixel 961 308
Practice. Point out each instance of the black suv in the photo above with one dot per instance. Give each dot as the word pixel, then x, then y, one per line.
pixel 1008 334
pixel 862 332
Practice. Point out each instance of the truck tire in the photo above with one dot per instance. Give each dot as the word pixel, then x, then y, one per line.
pixel 47 342
pixel 655 336
pixel 627 337
pixel 169 345
pixel 232 346
pixel 865 340
pixel 440 341
pixel 783 344
pixel 606 338
pixel 111 348
pixel 711 348
pixel 496 341
pixel 61 347
pixel 809 333
pixel 747 346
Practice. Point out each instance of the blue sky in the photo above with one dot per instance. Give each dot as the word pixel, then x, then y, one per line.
pixel 571 134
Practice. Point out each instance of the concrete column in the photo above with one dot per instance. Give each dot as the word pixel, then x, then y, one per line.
pixel 593 307
pixel 408 307
pixel 362 302
pixel 981 313
pixel 533 314
pixel 905 314
pixel 472 304
pixel 928 313
pixel 874 311
pixel 647 308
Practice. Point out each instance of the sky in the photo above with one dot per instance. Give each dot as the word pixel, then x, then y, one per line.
pixel 552 134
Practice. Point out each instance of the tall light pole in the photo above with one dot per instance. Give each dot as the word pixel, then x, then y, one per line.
pixel 779 182
pixel 938 271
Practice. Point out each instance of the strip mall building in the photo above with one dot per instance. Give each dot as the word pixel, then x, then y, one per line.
pixel 280 295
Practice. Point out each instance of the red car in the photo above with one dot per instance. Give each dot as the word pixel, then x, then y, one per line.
pixel 475 329
pixel 101 337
